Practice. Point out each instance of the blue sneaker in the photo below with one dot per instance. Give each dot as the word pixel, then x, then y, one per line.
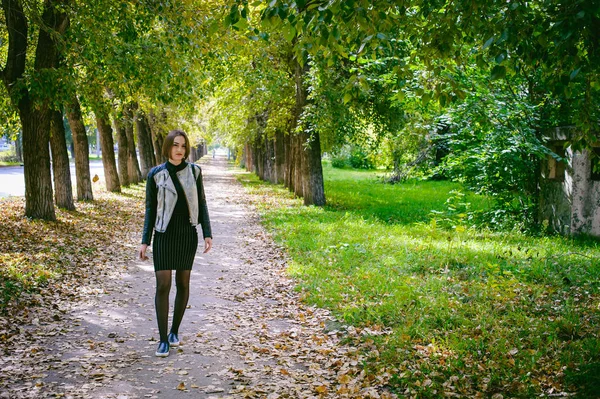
pixel 173 339
pixel 163 349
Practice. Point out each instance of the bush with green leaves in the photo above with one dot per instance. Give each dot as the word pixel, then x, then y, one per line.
pixel 494 149
pixel 9 156
pixel 339 161
pixel 352 156
pixel 360 159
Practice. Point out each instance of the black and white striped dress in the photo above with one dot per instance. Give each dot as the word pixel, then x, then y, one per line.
pixel 175 249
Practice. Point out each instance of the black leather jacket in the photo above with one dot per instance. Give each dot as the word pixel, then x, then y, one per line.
pixel 161 194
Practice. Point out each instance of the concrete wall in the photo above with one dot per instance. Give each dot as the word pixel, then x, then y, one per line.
pixel 569 198
pixel 585 212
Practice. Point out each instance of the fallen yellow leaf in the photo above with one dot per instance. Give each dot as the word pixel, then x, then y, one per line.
pixel 321 389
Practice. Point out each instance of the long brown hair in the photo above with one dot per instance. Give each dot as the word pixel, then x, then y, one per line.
pixel 168 143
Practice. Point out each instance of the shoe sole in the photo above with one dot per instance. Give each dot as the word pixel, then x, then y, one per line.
pixel 157 354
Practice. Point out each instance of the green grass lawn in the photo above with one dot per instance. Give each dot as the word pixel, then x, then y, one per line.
pixel 468 312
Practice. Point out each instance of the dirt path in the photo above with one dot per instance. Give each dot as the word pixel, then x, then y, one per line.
pixel 245 333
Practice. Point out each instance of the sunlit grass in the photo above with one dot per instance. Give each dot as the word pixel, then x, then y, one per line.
pixel 506 312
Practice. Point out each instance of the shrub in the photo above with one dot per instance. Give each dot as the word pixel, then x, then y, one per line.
pixel 359 159
pixel 353 156
pixel 8 156
pixel 338 161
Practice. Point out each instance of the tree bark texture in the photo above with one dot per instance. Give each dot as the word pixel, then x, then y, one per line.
pixel 157 142
pixel 279 162
pixel 63 190
pixel 111 177
pixel 39 203
pixel 249 158
pixel 123 153
pixel 144 142
pixel 270 160
pixel 157 137
pixel 311 169
pixel 258 156
pixel 35 118
pixel 82 154
pixel 314 188
pixel 197 152
pixel 133 166
pixel 291 162
pixel 298 159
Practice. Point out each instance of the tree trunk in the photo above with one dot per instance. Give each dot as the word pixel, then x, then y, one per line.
pixel 269 160
pixel 39 203
pixel 82 154
pixel 249 156
pixel 314 189
pixel 145 147
pixel 258 155
pixel 133 166
pixel 157 137
pixel 298 160
pixel 63 190
pixel 111 177
pixel 279 164
pixel 123 153
pixel 291 162
pixel 157 142
pixel 310 146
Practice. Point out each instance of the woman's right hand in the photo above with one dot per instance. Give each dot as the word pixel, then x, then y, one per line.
pixel 142 252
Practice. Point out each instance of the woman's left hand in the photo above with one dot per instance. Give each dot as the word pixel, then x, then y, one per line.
pixel 207 244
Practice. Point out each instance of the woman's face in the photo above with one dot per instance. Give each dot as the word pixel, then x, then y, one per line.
pixel 177 150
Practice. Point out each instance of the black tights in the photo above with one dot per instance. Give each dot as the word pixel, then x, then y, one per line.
pixel 161 299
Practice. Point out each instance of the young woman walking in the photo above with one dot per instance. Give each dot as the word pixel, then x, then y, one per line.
pixel 175 205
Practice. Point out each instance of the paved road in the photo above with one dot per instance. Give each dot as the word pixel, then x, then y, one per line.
pixel 12 180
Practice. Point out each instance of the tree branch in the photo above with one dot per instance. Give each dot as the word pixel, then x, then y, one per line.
pixel 16 24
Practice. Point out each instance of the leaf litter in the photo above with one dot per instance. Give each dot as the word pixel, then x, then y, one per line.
pixel 257 338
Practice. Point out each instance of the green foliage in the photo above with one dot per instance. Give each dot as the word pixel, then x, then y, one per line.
pixel 456 215
pixel 352 156
pixel 506 312
pixel 493 148
pixel 338 160
pixel 359 159
pixel 8 157
pixel 9 119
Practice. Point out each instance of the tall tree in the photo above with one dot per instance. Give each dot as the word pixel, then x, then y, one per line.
pixel 144 141
pixel 156 127
pixel 108 153
pixel 313 190
pixel 61 169
pixel 123 154
pixel 133 166
pixel 82 155
pixel 34 111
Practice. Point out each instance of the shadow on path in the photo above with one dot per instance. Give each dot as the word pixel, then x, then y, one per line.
pixel 245 333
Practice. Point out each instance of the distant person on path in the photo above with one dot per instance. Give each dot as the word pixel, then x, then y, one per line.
pixel 175 205
pixel 214 152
